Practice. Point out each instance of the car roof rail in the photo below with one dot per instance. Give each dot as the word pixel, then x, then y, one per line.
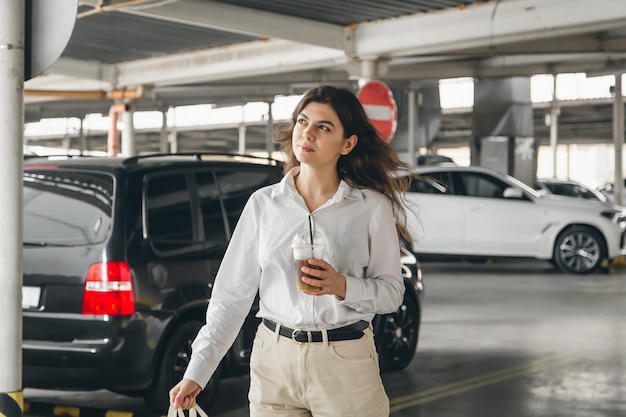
pixel 198 156
pixel 59 156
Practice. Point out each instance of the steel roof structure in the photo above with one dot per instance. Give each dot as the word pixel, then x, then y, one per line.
pixel 176 52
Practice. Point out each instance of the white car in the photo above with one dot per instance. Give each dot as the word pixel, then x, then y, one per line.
pixel 474 211
pixel 570 188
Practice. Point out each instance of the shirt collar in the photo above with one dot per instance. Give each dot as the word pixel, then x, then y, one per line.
pixel 287 188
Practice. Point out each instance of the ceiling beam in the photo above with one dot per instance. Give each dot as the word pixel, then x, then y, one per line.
pixel 487 25
pixel 274 56
pixel 245 20
pixel 89 70
pixel 492 25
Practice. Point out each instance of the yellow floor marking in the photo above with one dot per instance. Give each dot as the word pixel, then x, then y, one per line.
pixel 61 410
pixel 436 393
pixel 113 413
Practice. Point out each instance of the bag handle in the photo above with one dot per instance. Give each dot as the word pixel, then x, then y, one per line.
pixel 193 412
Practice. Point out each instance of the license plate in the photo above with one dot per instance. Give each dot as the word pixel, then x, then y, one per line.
pixel 30 297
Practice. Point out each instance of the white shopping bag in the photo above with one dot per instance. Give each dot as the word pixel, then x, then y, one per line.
pixel 193 412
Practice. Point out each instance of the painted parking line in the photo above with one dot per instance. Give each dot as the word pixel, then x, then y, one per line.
pixel 469 384
pixel 47 409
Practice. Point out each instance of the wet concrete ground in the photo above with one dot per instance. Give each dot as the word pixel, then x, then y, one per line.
pixel 500 339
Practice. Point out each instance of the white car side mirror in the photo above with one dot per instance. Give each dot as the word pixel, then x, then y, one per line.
pixel 513 193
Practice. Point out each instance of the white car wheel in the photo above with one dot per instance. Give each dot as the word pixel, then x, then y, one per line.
pixel 579 250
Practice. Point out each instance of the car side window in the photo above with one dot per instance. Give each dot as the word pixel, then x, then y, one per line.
pixel 564 190
pixel 478 185
pixel 581 192
pixel 211 207
pixel 168 212
pixel 426 185
pixel 442 181
pixel 236 188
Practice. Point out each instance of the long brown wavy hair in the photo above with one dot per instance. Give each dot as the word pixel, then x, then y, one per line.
pixel 372 164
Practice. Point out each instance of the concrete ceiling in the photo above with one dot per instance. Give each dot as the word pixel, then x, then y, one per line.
pixel 233 51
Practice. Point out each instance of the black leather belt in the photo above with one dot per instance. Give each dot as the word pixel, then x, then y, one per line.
pixel 350 332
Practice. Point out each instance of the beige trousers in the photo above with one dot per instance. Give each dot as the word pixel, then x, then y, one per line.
pixel 325 379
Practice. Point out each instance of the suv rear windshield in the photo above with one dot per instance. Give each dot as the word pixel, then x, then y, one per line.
pixel 67 207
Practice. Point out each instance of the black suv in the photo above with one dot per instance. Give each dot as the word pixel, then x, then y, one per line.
pixel 119 261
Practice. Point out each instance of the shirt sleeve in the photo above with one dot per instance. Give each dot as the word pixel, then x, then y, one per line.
pixel 382 290
pixel 236 285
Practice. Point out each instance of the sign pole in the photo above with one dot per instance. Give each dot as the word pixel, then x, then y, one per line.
pixel 11 158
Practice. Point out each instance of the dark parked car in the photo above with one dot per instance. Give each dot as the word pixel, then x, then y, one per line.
pixel 119 261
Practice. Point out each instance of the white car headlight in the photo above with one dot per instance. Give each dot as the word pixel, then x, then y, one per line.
pixel 616 216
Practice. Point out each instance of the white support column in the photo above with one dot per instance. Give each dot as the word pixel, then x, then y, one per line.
pixel 618 139
pixel 555 111
pixel 568 162
pixel 67 143
pixel 411 128
pixel 368 72
pixel 82 145
pixel 173 140
pixel 269 138
pixel 164 145
pixel 241 149
pixel 128 133
pixel 11 159
pixel 422 141
pixel 172 137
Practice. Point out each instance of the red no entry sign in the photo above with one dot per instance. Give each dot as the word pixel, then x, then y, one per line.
pixel 380 106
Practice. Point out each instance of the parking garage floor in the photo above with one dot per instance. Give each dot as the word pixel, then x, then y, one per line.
pixel 507 338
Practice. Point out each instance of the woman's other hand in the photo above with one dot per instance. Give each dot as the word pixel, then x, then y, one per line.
pixel 184 394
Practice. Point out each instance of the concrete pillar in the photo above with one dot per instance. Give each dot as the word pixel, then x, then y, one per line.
pixel 164 145
pixel 368 72
pixel 113 142
pixel 412 123
pixel 12 30
pixel 67 143
pixel 554 127
pixel 173 133
pixel 618 139
pixel 502 125
pixel 418 109
pixel 128 133
pixel 365 70
pixel 173 140
pixel 241 149
pixel 269 134
pixel 82 143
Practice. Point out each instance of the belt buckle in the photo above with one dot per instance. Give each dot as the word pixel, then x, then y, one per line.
pixel 308 335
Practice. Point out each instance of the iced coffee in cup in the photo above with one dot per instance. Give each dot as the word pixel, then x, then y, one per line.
pixel 306 246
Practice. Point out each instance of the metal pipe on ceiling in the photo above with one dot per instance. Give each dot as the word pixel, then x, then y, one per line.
pixel 123 94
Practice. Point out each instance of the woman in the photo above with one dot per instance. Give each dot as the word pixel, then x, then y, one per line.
pixel 314 352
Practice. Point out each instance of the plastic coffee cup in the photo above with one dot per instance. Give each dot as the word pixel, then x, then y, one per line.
pixel 301 254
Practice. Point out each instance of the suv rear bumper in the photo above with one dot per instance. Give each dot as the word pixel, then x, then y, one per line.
pixel 81 379
pixel 119 358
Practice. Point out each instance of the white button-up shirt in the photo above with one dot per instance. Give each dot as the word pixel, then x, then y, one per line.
pixel 362 244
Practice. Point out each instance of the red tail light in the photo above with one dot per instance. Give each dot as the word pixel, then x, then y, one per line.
pixel 109 290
